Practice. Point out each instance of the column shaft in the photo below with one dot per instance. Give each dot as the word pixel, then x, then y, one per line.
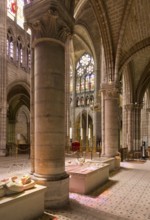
pixel 32 119
pixel 49 109
pixel 111 127
pixel 3 78
pixel 110 124
pixel 51 23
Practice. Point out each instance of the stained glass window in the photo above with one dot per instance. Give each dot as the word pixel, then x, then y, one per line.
pixel 11 48
pixel 10 45
pixel 10 7
pixel 19 52
pixel 15 11
pixel 85 74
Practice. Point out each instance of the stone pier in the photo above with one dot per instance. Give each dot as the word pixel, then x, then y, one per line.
pixel 47 20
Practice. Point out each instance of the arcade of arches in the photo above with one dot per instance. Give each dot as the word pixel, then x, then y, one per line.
pixel 79 71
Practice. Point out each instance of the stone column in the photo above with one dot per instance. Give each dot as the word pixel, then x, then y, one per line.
pixel 110 124
pixel 137 129
pixel 73 107
pixel 67 92
pixel 124 127
pixel 3 77
pixel 50 25
pixel 130 121
pixel 144 124
pixel 148 129
pixel 49 115
pixel 97 100
pixel 32 108
pixel 102 123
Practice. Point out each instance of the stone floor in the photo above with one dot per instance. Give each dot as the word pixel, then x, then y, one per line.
pixel 125 196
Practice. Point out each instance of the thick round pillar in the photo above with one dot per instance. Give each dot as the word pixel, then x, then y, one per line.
pixel 111 120
pixel 51 24
pixel 49 120
pixel 130 127
pixel 111 127
pixel 3 78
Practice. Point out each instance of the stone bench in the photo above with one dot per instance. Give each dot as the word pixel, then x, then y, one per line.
pixel 27 205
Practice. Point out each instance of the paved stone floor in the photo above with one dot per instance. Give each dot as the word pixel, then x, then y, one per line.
pixel 125 196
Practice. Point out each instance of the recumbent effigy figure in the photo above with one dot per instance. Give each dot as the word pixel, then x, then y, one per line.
pixel 15 185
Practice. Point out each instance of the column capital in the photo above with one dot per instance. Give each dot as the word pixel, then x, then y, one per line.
pixel 138 106
pixel 129 107
pixel 110 90
pixel 133 106
pixel 48 19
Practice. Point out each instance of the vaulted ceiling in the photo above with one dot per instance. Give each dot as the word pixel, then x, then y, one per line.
pixel 123 28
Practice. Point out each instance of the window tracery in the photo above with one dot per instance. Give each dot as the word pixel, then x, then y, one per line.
pixel 85 74
pixel 85 78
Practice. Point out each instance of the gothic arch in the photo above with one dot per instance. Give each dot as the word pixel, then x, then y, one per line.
pixel 143 84
pixel 133 51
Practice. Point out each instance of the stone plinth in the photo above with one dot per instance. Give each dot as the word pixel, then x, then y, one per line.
pixel 27 205
pixel 86 178
pixel 56 194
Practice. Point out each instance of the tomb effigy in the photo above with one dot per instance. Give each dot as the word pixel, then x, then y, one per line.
pixel 21 194
pixel 85 176
pixel 15 185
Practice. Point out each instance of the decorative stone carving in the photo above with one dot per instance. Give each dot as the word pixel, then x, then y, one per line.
pixel 129 107
pixel 110 90
pixel 53 21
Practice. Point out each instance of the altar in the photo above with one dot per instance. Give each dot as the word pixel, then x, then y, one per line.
pixel 87 177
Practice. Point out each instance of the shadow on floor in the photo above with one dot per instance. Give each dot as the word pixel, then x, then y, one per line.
pixel 75 210
pixel 99 190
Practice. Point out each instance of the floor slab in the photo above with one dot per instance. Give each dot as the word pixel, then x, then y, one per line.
pixel 125 196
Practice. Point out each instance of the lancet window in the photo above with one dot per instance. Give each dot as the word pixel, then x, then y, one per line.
pixel 28 57
pixel 19 51
pixel 10 45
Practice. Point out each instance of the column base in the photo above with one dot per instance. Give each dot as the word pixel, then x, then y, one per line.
pixel 57 192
